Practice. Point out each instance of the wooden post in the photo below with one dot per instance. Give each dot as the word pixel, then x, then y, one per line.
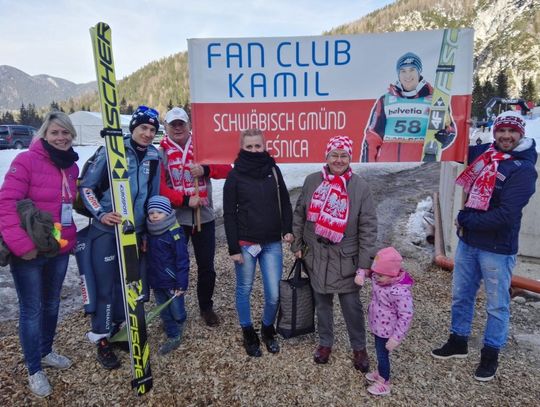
pixel 198 210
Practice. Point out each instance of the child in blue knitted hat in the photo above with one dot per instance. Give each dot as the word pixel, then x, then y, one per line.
pixel 167 268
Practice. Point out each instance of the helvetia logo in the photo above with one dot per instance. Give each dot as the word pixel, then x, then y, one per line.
pixel 402 111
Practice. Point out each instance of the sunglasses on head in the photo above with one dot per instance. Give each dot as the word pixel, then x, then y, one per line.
pixel 147 111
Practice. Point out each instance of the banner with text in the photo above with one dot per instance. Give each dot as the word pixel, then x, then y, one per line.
pixel 399 96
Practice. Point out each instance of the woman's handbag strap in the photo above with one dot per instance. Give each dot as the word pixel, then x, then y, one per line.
pixel 296 270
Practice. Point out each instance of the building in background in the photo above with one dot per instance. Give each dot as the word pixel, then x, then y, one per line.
pixel 89 124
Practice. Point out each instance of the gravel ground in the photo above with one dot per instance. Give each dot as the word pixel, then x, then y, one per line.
pixel 211 367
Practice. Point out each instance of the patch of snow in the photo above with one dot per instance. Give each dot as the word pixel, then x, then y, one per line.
pixel 53 82
pixel 419 220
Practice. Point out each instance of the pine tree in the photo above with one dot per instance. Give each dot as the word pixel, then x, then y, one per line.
pixel 123 106
pixel 528 90
pixel 23 115
pixel 478 101
pixel 33 117
pixel 7 118
pixel 502 84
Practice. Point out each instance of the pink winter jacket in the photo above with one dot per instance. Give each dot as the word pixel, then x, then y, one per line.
pixel 391 308
pixel 33 175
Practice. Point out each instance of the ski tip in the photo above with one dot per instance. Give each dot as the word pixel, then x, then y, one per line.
pixel 101 25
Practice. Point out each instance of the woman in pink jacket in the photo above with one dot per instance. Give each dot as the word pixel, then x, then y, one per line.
pixel 46 174
pixel 390 312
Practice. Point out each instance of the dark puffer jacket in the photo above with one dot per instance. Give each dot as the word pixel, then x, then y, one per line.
pixel 168 258
pixel 497 229
pixel 251 210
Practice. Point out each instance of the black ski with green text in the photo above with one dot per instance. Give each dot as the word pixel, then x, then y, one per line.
pixel 126 239
pixel 439 113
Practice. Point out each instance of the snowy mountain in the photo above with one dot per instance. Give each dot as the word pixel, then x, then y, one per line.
pixel 507 32
pixel 507 37
pixel 17 87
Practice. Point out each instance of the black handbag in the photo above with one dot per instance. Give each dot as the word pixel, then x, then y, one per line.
pixel 296 313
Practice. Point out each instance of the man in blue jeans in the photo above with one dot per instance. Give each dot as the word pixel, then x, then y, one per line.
pixel 500 182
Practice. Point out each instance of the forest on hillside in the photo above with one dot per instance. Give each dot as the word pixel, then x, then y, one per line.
pixel 506 31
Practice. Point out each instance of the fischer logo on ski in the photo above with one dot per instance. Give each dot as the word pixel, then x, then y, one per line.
pixel 439 114
pixel 126 239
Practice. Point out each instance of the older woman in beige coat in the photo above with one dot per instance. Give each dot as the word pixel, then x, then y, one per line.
pixel 335 230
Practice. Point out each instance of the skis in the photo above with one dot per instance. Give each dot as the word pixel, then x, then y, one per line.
pixel 440 102
pixel 126 239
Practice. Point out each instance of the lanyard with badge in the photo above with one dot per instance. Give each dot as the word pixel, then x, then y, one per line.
pixel 67 199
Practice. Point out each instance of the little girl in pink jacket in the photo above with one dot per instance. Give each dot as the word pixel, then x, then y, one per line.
pixel 390 312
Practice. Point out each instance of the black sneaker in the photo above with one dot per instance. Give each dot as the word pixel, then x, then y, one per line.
pixel 121 345
pixel 251 341
pixel 455 347
pixel 489 361
pixel 106 356
pixel 268 336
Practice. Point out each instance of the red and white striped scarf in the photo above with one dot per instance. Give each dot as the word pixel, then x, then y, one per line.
pixel 329 207
pixel 178 165
pixel 478 179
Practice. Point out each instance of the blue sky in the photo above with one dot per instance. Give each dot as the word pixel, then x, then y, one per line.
pixel 51 37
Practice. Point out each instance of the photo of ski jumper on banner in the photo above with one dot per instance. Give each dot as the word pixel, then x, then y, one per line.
pixel 301 91
pixel 399 119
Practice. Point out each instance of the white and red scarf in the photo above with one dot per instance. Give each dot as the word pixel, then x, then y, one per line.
pixel 179 161
pixel 329 207
pixel 478 179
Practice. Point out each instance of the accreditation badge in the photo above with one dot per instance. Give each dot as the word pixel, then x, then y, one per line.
pixel 66 217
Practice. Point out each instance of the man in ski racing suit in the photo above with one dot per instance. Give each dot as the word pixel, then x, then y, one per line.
pixel 140 153
pixel 399 118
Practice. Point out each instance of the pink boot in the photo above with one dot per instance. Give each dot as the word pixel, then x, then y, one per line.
pixel 380 388
pixel 374 376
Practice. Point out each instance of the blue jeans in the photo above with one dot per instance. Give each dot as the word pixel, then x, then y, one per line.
pixel 473 265
pixel 174 314
pixel 38 283
pixel 383 358
pixel 271 263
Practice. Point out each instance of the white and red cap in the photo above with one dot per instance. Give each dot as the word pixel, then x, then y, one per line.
pixel 339 143
pixel 512 120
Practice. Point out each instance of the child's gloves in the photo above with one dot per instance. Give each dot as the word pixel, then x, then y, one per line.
pixel 360 277
pixel 391 344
